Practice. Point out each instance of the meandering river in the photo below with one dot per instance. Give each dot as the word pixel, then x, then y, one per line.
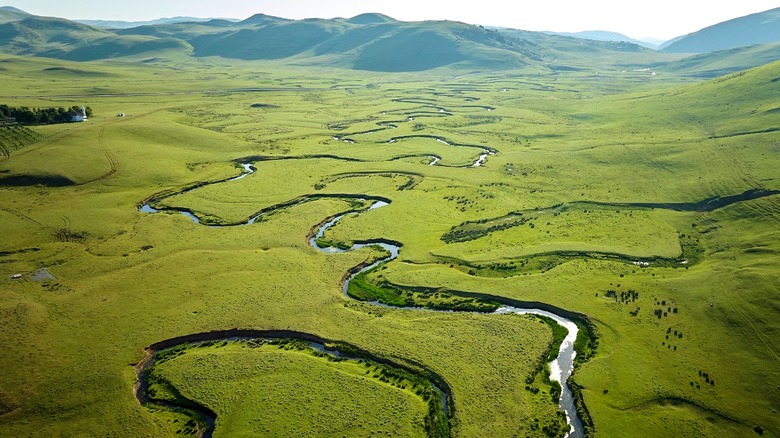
pixel 561 367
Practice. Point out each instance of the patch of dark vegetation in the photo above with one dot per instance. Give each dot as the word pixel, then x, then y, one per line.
pixel 20 251
pixel 553 427
pixel 324 243
pixel 41 116
pixel 382 291
pixel 412 179
pixel 587 342
pixel 6 407
pixel 75 71
pixel 36 180
pixel 543 262
pixel 582 409
pixel 345 124
pixel 739 134
pixel 468 231
pixel 705 205
pixel 254 158
pixel 345 136
pixel 263 105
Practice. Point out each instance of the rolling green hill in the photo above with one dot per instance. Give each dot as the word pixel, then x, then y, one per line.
pixel 760 28
pixel 44 36
pixel 714 64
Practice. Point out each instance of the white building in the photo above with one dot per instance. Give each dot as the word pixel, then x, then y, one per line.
pixel 80 116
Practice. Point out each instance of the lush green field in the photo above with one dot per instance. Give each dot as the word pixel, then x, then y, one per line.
pixel 299 393
pixel 685 334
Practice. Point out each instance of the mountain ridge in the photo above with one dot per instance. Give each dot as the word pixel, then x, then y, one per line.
pixel 371 42
pixel 120 24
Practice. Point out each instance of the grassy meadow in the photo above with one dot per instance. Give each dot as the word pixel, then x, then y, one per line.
pixel 684 302
pixel 348 396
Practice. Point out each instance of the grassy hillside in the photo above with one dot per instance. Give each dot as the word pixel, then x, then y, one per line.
pixel 760 28
pixel 35 35
pixel 722 62
pixel 8 13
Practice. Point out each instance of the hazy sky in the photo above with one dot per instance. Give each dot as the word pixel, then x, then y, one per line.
pixel 662 19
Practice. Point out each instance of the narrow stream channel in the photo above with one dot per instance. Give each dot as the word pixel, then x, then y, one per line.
pixel 560 368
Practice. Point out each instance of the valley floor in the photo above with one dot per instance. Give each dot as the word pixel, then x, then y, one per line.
pixel 647 209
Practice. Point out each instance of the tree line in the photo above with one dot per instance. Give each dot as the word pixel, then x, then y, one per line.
pixel 40 116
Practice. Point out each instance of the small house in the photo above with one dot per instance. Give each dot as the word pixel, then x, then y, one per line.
pixel 79 115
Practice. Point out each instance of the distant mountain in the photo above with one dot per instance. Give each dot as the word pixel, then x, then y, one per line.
pixel 372 18
pixel 261 19
pixel 130 24
pixel 603 35
pixel 760 28
pixel 372 42
pixel 64 39
pixel 368 42
pixel 9 13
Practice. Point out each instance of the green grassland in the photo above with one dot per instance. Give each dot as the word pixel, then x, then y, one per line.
pixel 685 341
pixel 300 393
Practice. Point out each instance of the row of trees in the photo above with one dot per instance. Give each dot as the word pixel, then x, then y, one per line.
pixel 40 116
